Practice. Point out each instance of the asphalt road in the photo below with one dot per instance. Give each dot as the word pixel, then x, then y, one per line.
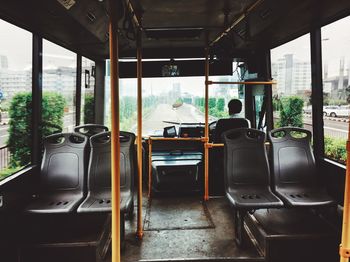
pixel 153 124
pixel 333 127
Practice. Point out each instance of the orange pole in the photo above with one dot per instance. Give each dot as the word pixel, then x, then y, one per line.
pixel 211 145
pixel 344 250
pixel 115 144
pixel 149 167
pixel 176 138
pixel 242 83
pixel 139 232
pixel 206 130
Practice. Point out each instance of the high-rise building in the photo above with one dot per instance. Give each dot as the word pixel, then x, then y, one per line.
pixel 291 74
pixel 4 64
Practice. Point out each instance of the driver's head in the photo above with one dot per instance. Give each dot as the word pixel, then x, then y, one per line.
pixel 234 106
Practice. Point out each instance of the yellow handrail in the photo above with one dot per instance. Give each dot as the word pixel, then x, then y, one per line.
pixel 139 232
pixel 149 167
pixel 344 249
pixel 206 130
pixel 176 138
pixel 242 83
pixel 115 144
pixel 211 145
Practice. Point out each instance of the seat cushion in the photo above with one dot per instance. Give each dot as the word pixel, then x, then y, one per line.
pixel 254 198
pixel 103 203
pixel 55 203
pixel 304 196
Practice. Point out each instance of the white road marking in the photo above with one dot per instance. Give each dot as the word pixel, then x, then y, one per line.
pixel 336 129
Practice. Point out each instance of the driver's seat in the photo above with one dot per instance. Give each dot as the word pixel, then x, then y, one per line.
pixel 226 124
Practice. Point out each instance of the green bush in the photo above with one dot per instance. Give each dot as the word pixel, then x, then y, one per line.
pixel 7 172
pixel 52 113
pixel 291 112
pixel 220 105
pixel 20 113
pixel 335 148
pixel 89 109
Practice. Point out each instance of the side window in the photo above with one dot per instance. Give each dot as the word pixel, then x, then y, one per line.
pixel 291 69
pixel 336 88
pixel 15 98
pixel 87 91
pixel 59 88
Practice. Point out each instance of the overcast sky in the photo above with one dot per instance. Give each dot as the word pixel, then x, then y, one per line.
pixel 16 44
pixel 335 46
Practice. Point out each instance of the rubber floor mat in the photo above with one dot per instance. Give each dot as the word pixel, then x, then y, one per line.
pixel 177 214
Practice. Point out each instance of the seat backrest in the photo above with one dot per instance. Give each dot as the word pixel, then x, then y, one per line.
pixel 226 124
pixel 245 159
pixel 90 129
pixel 64 163
pixel 292 158
pixel 99 174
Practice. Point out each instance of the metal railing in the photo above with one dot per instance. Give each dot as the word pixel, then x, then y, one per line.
pixel 4 157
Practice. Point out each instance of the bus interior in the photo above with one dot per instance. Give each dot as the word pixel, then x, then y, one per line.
pixel 117 143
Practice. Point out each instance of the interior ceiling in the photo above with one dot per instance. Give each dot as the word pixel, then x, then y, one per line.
pixel 180 28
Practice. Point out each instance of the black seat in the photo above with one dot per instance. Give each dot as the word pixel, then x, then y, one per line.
pixel 90 129
pixel 226 124
pixel 247 174
pixel 295 175
pixel 62 176
pixel 217 154
pixel 99 174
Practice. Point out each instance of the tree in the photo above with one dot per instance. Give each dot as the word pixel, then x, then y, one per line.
pixel 292 112
pixel 220 104
pixel 89 109
pixel 20 125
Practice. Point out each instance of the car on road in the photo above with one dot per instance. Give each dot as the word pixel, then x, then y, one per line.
pixel 336 111
pixel 307 110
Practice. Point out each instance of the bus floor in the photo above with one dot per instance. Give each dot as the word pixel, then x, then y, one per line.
pixel 185 228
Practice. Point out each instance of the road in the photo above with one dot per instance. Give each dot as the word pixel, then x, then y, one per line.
pixel 153 124
pixel 333 127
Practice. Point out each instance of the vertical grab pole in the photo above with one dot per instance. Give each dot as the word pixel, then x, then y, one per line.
pixel 139 135
pixel 149 167
pixel 344 250
pixel 115 143
pixel 206 131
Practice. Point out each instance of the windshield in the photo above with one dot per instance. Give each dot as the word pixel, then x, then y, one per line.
pixel 170 100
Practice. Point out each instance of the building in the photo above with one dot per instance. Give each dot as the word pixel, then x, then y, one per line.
pixel 293 76
pixel 4 64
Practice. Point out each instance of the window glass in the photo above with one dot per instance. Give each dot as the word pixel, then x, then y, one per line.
pixel 291 69
pixel 170 101
pixel 15 98
pixel 221 94
pixel 87 91
pixel 59 88
pixel 336 87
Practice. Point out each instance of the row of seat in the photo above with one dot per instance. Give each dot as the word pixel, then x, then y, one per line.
pixel 76 172
pixel 248 181
pixel 295 180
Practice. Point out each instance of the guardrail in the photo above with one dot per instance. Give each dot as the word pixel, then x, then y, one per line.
pixel 4 157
